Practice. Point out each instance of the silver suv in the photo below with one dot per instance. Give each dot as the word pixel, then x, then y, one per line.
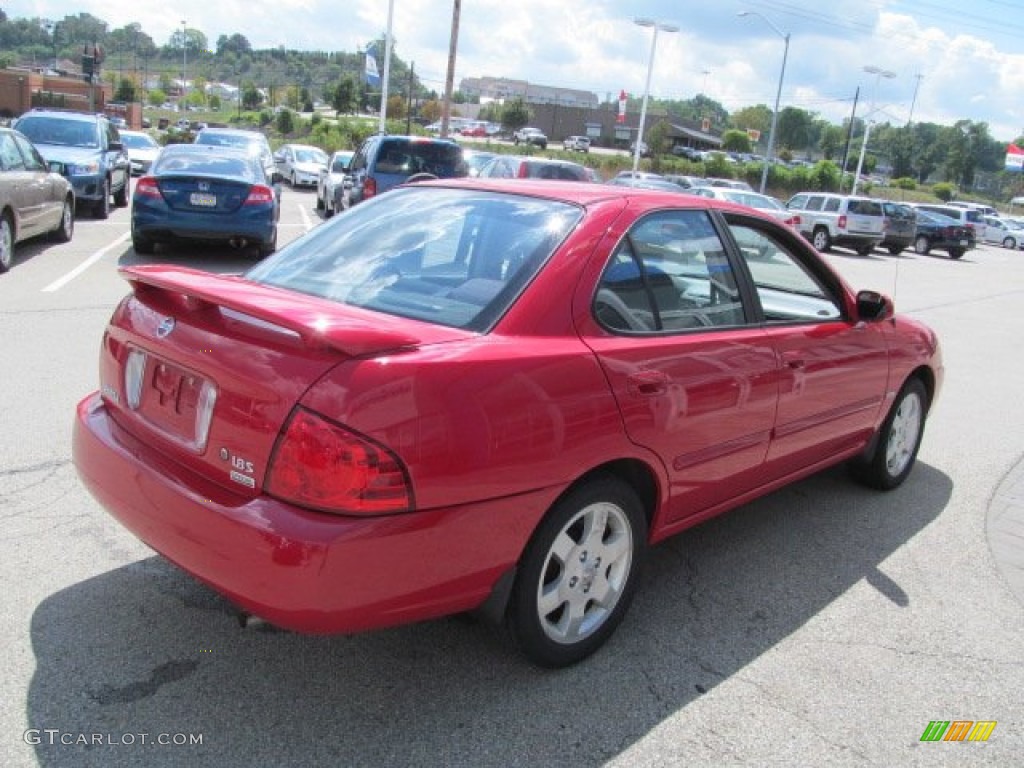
pixel 830 219
pixel 576 144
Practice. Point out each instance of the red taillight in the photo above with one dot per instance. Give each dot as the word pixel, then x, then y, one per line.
pixel 793 221
pixel 321 465
pixel 146 186
pixel 842 221
pixel 524 171
pixel 369 187
pixel 259 194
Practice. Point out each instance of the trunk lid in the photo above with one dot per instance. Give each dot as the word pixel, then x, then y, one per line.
pixel 206 369
pixel 201 194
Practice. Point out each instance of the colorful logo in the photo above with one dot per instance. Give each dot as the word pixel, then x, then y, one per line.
pixel 958 730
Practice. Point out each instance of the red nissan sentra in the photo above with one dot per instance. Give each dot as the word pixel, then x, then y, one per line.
pixel 489 395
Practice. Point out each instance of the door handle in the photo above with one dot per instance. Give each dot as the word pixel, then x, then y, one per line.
pixel 793 359
pixel 647 383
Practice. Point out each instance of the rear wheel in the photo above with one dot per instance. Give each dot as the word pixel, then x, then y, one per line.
pixel 101 209
pixel 956 253
pixel 6 242
pixel 1009 243
pixel 66 228
pixel 821 240
pixel 142 245
pixel 268 247
pixel 865 250
pixel 898 440
pixel 895 250
pixel 319 200
pixel 921 245
pixel 579 572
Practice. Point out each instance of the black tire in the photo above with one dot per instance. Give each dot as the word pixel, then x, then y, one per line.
pixel 143 246
pixel 922 245
pixel 821 240
pixel 66 228
pixel 319 201
pixel 866 250
pixel 956 253
pixel 590 546
pixel 898 440
pixel 6 242
pixel 121 196
pixel 1010 243
pixel 895 250
pixel 267 248
pixel 101 208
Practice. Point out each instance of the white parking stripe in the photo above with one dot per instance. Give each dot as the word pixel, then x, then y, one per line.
pixel 306 221
pixel 60 282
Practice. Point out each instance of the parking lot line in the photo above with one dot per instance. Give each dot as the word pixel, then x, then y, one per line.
pixel 60 282
pixel 306 221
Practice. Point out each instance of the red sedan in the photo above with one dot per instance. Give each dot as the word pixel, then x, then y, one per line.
pixel 493 395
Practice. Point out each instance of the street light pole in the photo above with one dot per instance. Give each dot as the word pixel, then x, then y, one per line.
pixel 647 87
pixel 778 95
pixel 879 74
pixel 184 67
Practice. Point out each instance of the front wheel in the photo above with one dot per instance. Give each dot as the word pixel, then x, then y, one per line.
pixel 121 196
pixel 895 250
pixel 921 245
pixel 1009 243
pixel 578 574
pixel 865 250
pixel 898 440
pixel 102 206
pixel 956 253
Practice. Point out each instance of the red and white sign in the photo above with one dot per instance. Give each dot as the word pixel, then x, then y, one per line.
pixel 1014 158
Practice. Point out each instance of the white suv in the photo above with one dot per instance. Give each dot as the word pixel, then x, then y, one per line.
pixel 576 144
pixel 831 219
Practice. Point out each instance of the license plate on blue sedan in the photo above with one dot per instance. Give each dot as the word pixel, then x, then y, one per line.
pixel 203 199
pixel 963 242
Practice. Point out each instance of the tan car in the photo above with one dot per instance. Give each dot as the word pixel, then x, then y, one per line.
pixel 33 200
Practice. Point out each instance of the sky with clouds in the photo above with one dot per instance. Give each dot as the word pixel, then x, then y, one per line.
pixel 963 60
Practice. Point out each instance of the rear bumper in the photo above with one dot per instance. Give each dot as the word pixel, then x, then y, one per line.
pixel 257 225
pixel 301 570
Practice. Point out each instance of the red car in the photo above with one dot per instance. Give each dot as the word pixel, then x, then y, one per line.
pixel 485 394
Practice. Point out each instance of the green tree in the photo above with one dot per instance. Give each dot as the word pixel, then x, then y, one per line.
pixel 285 122
pixel 157 97
pixel 515 115
pixel 251 97
pixel 831 142
pixel 125 90
pixel 343 100
pixel 735 140
pixel 758 118
pixel 793 129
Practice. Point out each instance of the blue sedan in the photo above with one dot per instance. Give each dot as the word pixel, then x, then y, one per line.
pixel 202 193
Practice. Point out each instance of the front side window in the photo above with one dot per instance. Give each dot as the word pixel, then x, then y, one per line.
pixel 788 289
pixel 669 274
pixel 10 157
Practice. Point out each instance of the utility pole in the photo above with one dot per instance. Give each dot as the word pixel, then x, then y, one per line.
pixel 449 82
pixel 408 105
pixel 913 101
pixel 849 136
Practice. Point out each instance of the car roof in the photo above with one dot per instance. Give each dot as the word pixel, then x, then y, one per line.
pixel 585 193
pixel 85 117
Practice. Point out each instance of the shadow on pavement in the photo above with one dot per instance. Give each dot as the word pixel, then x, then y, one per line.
pixel 145 649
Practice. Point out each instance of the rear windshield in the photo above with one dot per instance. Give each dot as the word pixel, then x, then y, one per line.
pixel 439 158
pixel 542 170
pixel 216 163
pixel 448 256
pixel 865 207
pixel 974 216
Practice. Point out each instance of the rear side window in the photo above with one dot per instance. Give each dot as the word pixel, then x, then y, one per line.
pixel 832 205
pixel 441 158
pixel 669 274
pixel 973 216
pixel 865 207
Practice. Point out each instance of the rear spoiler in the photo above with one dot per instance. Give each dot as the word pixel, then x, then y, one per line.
pixel 319 324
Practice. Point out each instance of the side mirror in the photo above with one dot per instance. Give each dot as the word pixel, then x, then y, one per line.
pixel 873 306
pixel 276 177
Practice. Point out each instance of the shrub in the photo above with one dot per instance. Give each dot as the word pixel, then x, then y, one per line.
pixel 285 122
pixel 944 191
pixel 904 182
